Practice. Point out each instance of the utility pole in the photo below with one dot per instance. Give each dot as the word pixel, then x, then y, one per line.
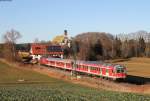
pixel 112 48
pixel 74 48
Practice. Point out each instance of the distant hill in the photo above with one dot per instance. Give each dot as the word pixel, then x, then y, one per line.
pixel 94 45
pixel 105 38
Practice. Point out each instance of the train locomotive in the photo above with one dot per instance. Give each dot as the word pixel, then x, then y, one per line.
pixel 104 70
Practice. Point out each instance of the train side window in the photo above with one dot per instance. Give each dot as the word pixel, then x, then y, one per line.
pixel 80 66
pixel 77 66
pixel 85 67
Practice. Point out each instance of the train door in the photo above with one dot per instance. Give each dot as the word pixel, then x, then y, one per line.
pixel 73 65
pixel 89 68
pixel 107 72
pixel 100 69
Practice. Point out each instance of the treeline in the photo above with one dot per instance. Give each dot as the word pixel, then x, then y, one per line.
pixel 101 46
pixel 88 46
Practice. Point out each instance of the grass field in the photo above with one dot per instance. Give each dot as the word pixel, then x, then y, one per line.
pixel 16 75
pixel 38 87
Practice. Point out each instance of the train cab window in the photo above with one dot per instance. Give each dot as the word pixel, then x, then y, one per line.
pixel 120 70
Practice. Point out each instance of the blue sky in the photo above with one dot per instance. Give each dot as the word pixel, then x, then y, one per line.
pixel 45 19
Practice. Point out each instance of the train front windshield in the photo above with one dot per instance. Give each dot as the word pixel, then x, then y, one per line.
pixel 120 69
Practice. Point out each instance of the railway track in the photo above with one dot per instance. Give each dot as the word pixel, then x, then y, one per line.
pixel 94 82
pixel 133 80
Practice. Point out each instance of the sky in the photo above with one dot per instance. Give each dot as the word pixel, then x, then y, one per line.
pixel 44 19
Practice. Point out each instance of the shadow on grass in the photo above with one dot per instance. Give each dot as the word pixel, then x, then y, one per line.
pixel 117 60
pixel 137 80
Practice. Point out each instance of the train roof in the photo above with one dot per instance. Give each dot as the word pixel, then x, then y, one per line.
pixel 90 63
pixel 59 59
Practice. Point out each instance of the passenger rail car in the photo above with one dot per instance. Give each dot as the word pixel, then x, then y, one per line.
pixel 96 68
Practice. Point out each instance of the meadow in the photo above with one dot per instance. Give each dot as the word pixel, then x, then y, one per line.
pixel 25 85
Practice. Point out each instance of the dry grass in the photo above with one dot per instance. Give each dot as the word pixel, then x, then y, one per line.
pixel 10 74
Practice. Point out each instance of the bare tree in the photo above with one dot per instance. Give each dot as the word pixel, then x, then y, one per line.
pixel 10 38
pixel 36 40
pixel 147 51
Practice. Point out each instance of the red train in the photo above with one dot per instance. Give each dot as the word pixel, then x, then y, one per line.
pixel 106 70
